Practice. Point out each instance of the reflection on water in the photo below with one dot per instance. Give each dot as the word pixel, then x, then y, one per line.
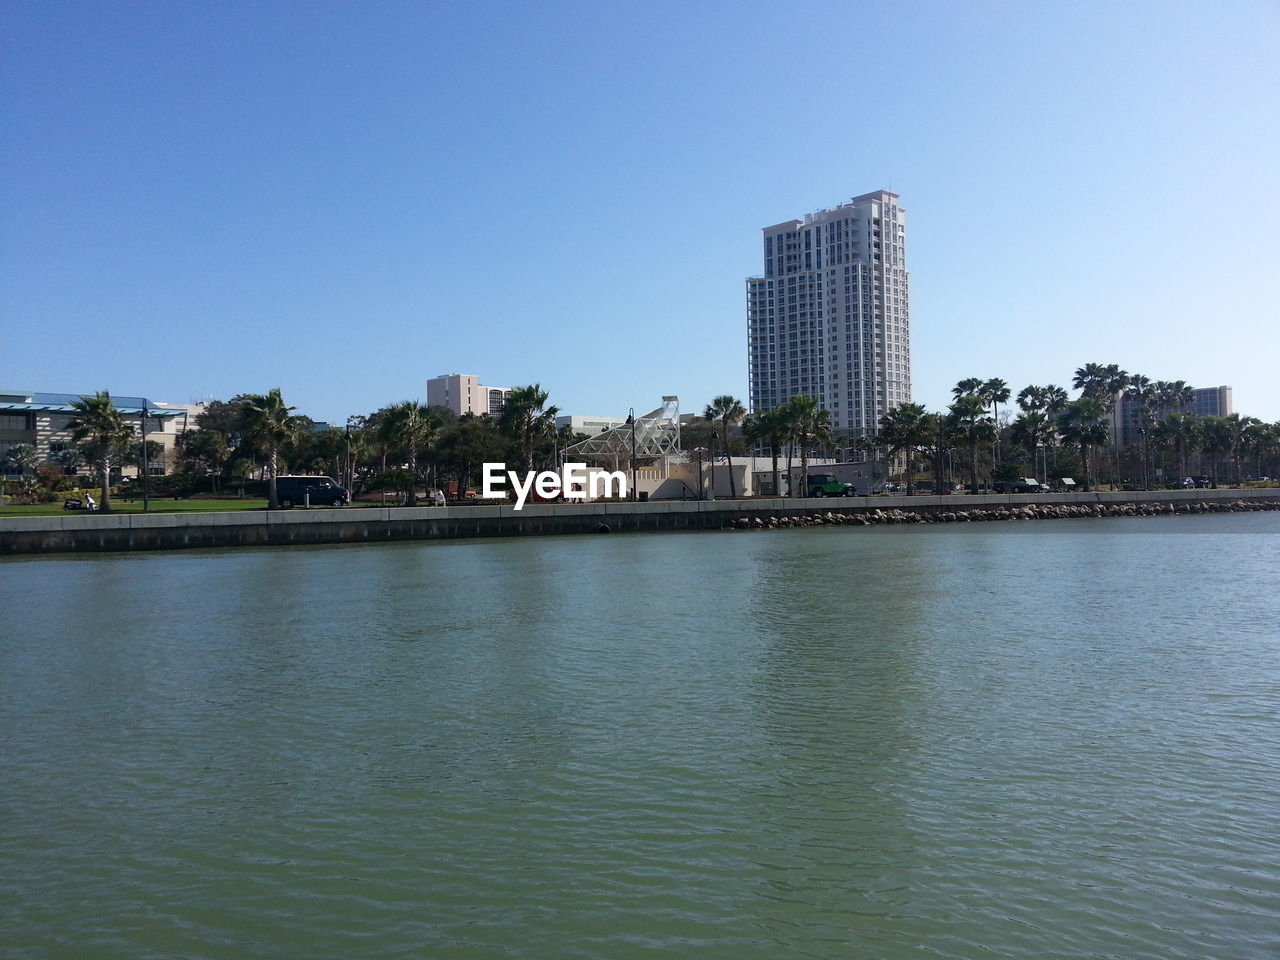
pixel 1044 740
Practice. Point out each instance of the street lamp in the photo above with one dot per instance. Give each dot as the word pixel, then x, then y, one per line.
pixel 699 451
pixel 631 422
pixel 145 460
pixel 711 487
pixel 348 470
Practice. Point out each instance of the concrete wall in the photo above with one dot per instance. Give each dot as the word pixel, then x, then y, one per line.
pixel 82 532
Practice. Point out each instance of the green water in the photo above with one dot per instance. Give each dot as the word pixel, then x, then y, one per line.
pixel 1054 739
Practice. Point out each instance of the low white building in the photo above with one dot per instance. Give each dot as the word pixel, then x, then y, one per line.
pixel 590 426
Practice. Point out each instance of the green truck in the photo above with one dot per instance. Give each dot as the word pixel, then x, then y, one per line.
pixel 826 485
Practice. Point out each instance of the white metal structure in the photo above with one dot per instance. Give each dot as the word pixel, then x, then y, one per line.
pixel 656 435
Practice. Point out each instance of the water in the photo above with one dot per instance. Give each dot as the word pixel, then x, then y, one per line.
pixel 1055 739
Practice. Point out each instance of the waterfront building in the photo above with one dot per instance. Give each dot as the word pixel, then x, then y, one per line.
pixel 1207 402
pixel 830 316
pixel 40 420
pixel 463 393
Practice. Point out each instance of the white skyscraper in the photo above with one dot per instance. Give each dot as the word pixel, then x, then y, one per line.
pixel 830 317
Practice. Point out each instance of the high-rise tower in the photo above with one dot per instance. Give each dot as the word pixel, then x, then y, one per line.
pixel 831 315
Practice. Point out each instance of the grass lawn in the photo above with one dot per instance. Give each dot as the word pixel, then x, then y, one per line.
pixel 167 505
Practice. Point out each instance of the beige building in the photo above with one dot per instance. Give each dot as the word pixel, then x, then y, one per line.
pixel 40 420
pixel 464 393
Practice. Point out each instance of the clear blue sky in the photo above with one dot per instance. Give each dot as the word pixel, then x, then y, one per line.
pixel 344 199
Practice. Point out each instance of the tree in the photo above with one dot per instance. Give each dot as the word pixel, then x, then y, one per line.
pixel 133 456
pixel 1082 423
pixel 207 450
pixel 1055 399
pixel 101 433
pixel 1030 431
pixel 527 420
pixel 465 445
pixel 968 416
pixel 21 457
pixel 1091 380
pixel 995 392
pixel 771 429
pixel 938 446
pixel 1185 432
pixel 728 411
pixel 1031 398
pixel 1242 432
pixel 268 423
pixel 811 424
pixel 906 428
pixel 412 427
pixel 1215 440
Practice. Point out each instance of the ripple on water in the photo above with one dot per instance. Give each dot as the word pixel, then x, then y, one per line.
pixel 873 743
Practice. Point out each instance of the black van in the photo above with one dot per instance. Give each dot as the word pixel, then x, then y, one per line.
pixel 322 491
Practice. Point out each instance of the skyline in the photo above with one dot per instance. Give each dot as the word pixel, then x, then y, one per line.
pixel 344 203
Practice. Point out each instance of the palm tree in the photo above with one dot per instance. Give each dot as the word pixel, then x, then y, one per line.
pixel 1184 430
pixel 1083 423
pixel 728 410
pixel 1242 432
pixel 770 428
pixel 1055 399
pixel 527 419
pixel 1180 395
pixel 1091 381
pixel 811 424
pixel 23 456
pixel 413 426
pixel 995 391
pixel 1031 430
pixel 1032 398
pixel 268 424
pixel 906 428
pixel 968 417
pixel 100 431
pixel 1143 393
pixel 1216 440
pixel 968 387
pixel 939 445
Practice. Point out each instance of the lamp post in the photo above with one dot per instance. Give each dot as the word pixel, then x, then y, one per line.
pixel 699 452
pixel 145 460
pixel 631 422
pixel 711 486
pixel 346 463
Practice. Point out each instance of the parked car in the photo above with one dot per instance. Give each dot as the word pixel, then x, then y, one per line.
pixel 826 485
pixel 1025 485
pixel 318 491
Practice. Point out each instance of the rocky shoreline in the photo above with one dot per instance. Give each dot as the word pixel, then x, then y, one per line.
pixel 1047 511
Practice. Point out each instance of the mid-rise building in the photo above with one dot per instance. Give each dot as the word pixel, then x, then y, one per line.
pixel 1206 402
pixel 830 317
pixel 464 393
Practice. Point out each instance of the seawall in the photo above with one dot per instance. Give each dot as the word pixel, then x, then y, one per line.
pixel 77 533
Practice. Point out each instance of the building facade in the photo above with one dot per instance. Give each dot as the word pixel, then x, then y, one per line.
pixel 40 420
pixel 464 393
pixel 591 426
pixel 1207 402
pixel 830 317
